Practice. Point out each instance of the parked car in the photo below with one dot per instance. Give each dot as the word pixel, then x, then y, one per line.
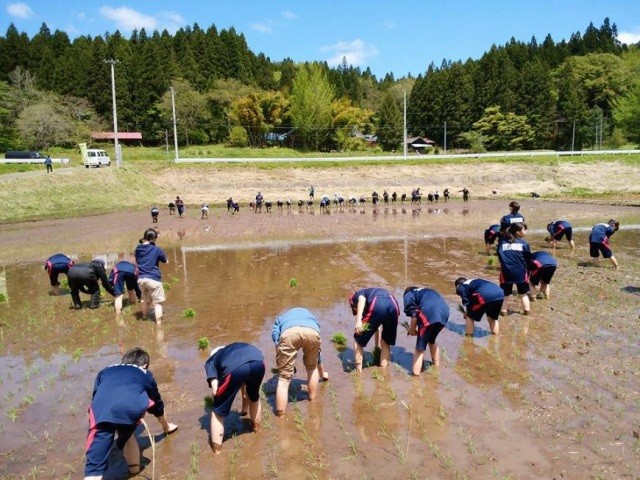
pixel 24 154
pixel 96 158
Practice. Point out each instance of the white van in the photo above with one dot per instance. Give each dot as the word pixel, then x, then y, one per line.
pixel 96 158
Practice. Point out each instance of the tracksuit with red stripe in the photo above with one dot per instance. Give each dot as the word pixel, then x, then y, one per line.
pixel 559 229
pixel 122 394
pixel 491 234
pixel 431 312
pixel 124 274
pixel 235 365
pixel 380 308
pixel 481 296
pixel 55 265
pixel 599 240
pixel 543 266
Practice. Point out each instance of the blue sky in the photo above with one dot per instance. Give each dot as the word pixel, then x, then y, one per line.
pixel 385 35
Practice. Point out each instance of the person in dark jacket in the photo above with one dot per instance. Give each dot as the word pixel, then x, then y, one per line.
pixel 229 369
pixel 148 258
pixel 514 255
pixel 478 297
pixel 122 394
pixel 374 308
pixel 84 277
pixel 55 265
pixel 429 314
pixel 490 236
pixel 124 274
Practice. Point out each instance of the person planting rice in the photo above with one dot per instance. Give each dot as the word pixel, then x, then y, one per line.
pixel 230 369
pixel 429 314
pixel 374 309
pixel 599 242
pixel 480 296
pixel 122 394
pixel 296 329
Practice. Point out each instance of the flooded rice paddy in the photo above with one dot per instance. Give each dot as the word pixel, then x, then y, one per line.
pixel 555 395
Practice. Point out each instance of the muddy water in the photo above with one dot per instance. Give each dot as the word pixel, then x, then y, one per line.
pixel 479 416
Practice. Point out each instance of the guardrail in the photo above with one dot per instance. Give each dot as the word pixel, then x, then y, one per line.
pixel 62 161
pixel 408 157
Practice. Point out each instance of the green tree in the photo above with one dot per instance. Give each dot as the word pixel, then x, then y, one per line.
pixel 246 112
pixel 44 124
pixel 192 110
pixel 504 132
pixel 389 124
pixel 347 120
pixel 626 113
pixel 311 106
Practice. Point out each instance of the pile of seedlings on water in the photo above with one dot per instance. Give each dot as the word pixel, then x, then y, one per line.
pixel 340 339
pixel 293 282
pixel 189 313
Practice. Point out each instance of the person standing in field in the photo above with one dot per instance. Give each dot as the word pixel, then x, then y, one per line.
pixel 154 214
pixel 599 242
pixel 558 229
pixel 514 255
pixel 148 259
pixel 514 216
pixel 478 297
pixel 55 265
pixel 429 314
pixel 122 394
pixel 296 329
pixel 230 369
pixel 49 164
pixel 374 309
pixel 180 206
pixel 311 192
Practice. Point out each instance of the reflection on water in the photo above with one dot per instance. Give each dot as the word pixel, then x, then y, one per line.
pixel 52 353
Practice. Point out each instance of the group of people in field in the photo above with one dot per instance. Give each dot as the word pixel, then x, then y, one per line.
pixel 124 392
pixel 338 200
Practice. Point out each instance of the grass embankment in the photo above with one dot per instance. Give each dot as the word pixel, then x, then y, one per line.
pixel 73 192
pixel 147 178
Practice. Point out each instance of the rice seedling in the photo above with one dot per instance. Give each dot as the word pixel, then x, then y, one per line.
pixel 293 282
pixel 189 313
pixel 203 343
pixel 208 402
pixel 77 354
pixel 339 339
pixel 195 451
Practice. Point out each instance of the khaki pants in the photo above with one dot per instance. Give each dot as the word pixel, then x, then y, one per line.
pixel 292 340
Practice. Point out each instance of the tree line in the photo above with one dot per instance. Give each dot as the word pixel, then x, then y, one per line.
pixel 53 92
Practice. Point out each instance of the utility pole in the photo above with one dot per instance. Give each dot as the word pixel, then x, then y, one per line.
pixel 175 129
pixel 445 138
pixel 405 126
pixel 573 136
pixel 112 63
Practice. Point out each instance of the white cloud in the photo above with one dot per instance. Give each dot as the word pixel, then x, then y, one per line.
pixel 128 19
pixel 356 52
pixel 262 27
pixel 289 15
pixel 171 21
pixel 19 10
pixel 629 37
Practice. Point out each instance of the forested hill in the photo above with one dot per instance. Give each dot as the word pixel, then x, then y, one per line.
pixel 517 95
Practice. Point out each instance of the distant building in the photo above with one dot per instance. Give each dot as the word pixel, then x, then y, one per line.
pixel 419 144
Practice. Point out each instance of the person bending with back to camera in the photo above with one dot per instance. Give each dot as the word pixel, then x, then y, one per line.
pixel 429 314
pixel 230 369
pixel 84 277
pixel 599 242
pixel 148 258
pixel 122 394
